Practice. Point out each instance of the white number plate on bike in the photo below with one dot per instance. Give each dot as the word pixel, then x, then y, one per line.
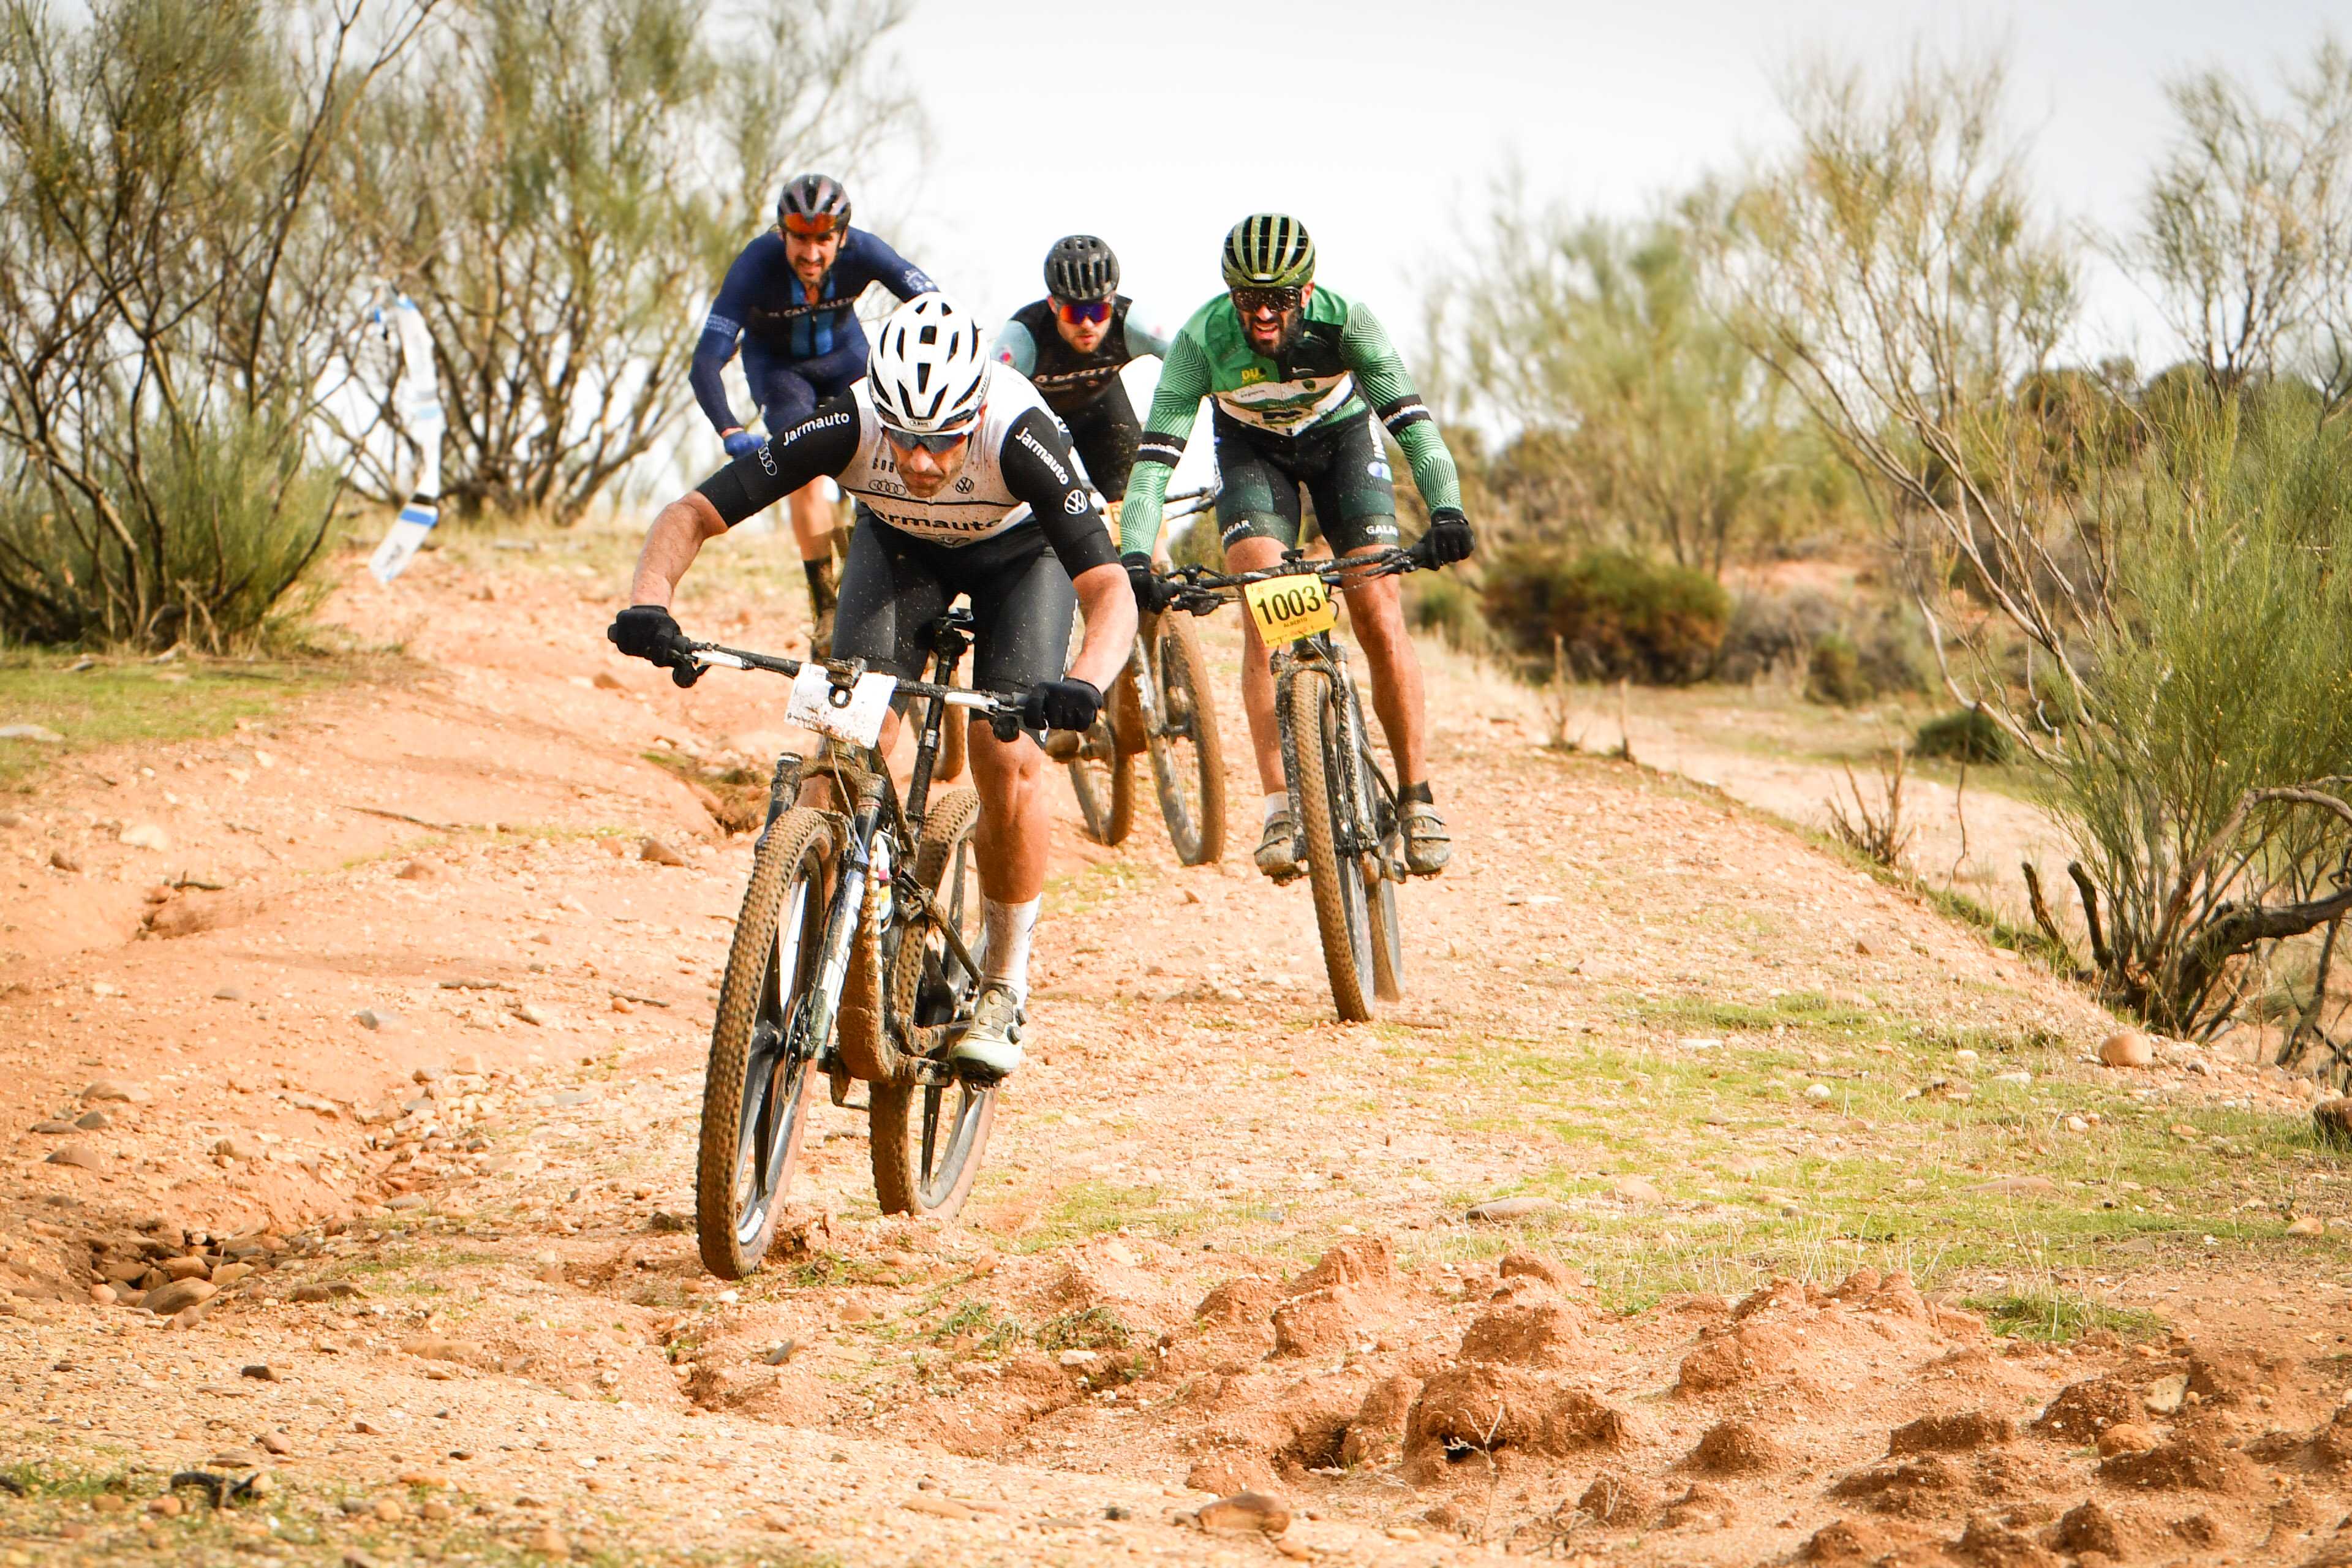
pixel 858 718
pixel 1288 608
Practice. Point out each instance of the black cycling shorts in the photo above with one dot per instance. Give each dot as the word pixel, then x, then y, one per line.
pixel 1343 466
pixel 1105 431
pixel 894 586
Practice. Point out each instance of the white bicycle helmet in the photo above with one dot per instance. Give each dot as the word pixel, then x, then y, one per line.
pixel 929 371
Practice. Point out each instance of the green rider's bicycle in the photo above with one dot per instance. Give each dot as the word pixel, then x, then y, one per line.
pixel 1343 801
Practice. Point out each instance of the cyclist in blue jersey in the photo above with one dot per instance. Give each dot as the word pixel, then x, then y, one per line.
pixel 791 299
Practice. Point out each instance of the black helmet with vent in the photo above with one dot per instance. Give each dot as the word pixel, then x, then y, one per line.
pixel 1081 269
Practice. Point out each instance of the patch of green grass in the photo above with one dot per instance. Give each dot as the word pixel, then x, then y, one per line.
pixel 118 701
pixel 977 1328
pixel 1090 1329
pixel 1805 1010
pixel 32 1479
pixel 1091 1208
pixel 2054 1317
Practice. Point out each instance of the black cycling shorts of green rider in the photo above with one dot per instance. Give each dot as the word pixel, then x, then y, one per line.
pixel 1343 466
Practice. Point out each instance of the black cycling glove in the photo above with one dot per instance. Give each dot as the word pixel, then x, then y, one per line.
pixel 648 632
pixel 1448 539
pixel 1064 704
pixel 1151 593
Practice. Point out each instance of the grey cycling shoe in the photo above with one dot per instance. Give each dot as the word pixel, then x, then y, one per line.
pixel 1277 852
pixel 990 1047
pixel 1427 846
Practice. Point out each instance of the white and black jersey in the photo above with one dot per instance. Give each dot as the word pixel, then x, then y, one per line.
pixel 1017 472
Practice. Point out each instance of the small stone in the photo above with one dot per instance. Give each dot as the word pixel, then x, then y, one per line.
pixel 1818 1094
pixel 660 854
pixel 1246 1513
pixel 61 861
pixel 109 1088
pixel 169 1506
pixel 103 1295
pixel 1502 1211
pixel 777 1355
pixel 2126 1437
pixel 228 1274
pixel 436 1511
pixel 466 1064
pixel 2308 1225
pixel 366 1428
pixel 39 733
pixel 229 1149
pixel 370 1019
pixel 531 1012
pixel 169 1300
pixel 109 1502
pixel 2014 1186
pixel 274 1443
pixel 188 1268
pixel 77 1155
pixel 93 1121
pixel 419 871
pixel 606 680
pixel 144 835
pixel 2167 1394
pixel 1637 1190
pixel 389 1509
pixel 262 1372
pixel 2127 1048
pixel 359 1557
pixel 668 1224
pixel 1078 1358
pixel 228 994
pixel 53 1126
pixel 2019 1080
pixel 2076 1124
pixel 551 1542
pixel 856 1312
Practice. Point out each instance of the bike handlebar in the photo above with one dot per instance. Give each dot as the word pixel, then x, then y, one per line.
pixel 1002 709
pixel 1201 591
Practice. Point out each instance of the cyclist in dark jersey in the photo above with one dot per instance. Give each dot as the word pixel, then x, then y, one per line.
pixel 790 299
pixel 1072 345
pixel 965 484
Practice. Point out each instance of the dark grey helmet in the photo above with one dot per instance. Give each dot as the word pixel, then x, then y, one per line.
pixel 1081 269
pixel 813 204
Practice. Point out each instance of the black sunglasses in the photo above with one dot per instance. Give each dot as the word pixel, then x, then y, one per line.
pixel 908 440
pixel 1249 302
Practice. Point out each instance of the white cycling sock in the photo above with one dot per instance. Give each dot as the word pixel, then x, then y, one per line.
pixel 1007 929
pixel 1277 804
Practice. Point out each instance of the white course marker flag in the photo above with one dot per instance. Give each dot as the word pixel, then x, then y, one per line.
pixel 419 394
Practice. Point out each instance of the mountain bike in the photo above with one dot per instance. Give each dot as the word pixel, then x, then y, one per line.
pixel 1163 706
pixel 1344 803
pixel 854 955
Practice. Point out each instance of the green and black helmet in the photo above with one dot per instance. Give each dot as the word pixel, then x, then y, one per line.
pixel 1269 250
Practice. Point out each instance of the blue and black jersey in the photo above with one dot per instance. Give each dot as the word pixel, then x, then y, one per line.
pixel 763 305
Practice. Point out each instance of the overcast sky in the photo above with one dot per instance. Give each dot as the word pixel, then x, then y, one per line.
pixel 1383 125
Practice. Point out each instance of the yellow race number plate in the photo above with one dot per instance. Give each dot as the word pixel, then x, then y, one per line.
pixel 1288 608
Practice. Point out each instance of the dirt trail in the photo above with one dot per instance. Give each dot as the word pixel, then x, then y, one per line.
pixel 411 1102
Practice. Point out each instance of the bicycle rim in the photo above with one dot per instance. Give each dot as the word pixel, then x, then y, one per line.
pixel 1341 917
pixel 1188 762
pixel 1387 931
pixel 756 1091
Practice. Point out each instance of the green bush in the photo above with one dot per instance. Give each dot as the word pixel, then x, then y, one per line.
pixel 1194 541
pixel 1616 615
pixel 1966 736
pixel 1442 603
pixel 1833 674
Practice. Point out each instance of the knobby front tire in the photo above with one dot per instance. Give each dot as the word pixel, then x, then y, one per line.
pixel 755 1097
pixel 1103 778
pixel 1320 749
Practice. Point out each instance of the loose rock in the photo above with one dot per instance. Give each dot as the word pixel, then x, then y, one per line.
pixel 168 1301
pixel 77 1155
pixel 1246 1513
pixel 1502 1211
pixel 2127 1048
pixel 660 854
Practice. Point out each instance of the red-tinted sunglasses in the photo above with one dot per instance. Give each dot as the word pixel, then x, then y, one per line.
pixel 1075 311
pixel 810 226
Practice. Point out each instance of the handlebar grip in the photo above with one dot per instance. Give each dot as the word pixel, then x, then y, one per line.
pixel 685 674
pixel 1005 725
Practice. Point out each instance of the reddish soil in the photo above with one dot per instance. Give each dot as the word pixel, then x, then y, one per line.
pixel 396 1128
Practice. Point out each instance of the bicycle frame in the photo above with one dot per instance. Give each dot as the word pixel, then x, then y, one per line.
pixel 1363 829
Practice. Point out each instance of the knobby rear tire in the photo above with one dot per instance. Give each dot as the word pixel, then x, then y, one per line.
pixel 1315 738
pixel 1188 757
pixel 1103 779
pixel 912 1175
pixel 755 1104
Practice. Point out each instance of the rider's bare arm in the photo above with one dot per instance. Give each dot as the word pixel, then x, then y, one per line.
pixel 1108 605
pixel 671 544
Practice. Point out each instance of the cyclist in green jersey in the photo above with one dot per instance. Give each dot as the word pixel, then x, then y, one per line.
pixel 1298 374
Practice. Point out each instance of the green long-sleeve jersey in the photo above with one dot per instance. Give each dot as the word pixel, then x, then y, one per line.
pixel 1342 360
